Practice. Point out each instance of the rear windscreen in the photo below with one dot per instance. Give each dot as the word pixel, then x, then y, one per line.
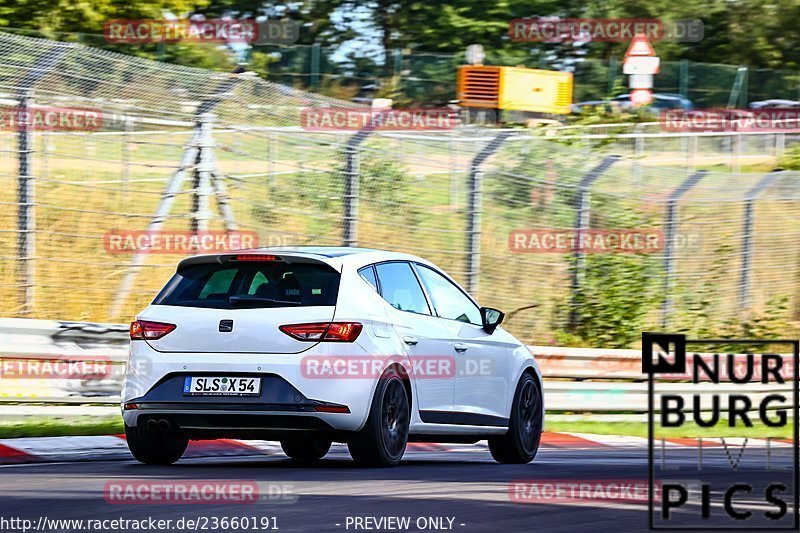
pixel 235 285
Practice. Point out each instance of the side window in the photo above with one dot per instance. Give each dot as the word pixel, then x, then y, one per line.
pixel 368 273
pixel 448 300
pixel 399 287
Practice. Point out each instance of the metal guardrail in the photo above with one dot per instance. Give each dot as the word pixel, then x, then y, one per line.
pixel 578 380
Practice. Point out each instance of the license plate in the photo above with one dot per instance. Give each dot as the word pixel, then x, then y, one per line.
pixel 221 386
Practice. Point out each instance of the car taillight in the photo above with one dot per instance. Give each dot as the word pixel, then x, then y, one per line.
pixel 147 330
pixel 324 331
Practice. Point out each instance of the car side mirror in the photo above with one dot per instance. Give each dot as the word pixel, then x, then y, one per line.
pixel 491 318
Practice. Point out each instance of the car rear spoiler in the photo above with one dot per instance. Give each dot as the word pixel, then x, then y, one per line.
pixel 252 255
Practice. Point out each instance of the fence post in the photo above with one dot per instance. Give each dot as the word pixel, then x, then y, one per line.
pixel 452 153
pixel 272 154
pixel 352 177
pixel 398 72
pixel 638 152
pixel 736 152
pixel 780 144
pixel 475 207
pixel 739 89
pixel 611 75
pixel 684 78
pixel 351 191
pixel 26 222
pixel 669 240
pixel 202 177
pixel 126 158
pixel 581 225
pixel 747 238
pixel 314 78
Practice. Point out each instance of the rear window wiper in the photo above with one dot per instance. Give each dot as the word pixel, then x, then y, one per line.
pixel 233 300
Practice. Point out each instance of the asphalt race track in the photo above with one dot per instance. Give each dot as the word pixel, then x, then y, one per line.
pixel 466 490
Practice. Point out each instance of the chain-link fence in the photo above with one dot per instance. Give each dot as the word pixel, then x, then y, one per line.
pixel 189 150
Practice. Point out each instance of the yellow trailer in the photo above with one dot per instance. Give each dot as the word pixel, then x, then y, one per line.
pixel 515 89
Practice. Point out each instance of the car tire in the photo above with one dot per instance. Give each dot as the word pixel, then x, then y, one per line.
pixel 305 449
pixel 382 441
pixel 155 447
pixel 521 442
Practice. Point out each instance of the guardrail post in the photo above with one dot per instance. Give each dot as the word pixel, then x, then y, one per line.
pixel 475 208
pixel 669 240
pixel 581 225
pixel 747 237
pixel 26 222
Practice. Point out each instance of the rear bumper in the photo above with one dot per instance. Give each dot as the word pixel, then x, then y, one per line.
pixel 154 382
pixel 241 424
pixel 278 407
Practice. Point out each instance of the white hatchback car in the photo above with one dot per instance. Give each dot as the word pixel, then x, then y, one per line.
pixel 315 345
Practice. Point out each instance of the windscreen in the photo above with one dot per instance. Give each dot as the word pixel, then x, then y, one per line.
pixel 245 284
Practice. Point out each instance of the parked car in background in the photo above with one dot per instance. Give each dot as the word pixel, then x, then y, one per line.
pixel 775 103
pixel 661 102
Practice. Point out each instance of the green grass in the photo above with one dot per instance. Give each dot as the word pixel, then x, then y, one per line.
pixel 110 426
pixel 58 428
pixel 639 429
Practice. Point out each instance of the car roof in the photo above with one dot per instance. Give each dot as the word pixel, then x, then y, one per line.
pixel 335 256
pixel 342 254
pixel 324 251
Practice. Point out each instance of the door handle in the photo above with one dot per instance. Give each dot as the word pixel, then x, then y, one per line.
pixel 460 347
pixel 411 341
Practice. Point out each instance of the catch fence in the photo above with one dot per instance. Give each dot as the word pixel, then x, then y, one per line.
pixel 183 150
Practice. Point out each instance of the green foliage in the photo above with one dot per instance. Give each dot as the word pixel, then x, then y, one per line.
pixel 615 294
pixel 535 183
pixel 791 158
pixel 614 299
pixel 387 185
pixel 700 314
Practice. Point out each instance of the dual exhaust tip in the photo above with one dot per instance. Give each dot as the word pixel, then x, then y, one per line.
pixel 162 425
